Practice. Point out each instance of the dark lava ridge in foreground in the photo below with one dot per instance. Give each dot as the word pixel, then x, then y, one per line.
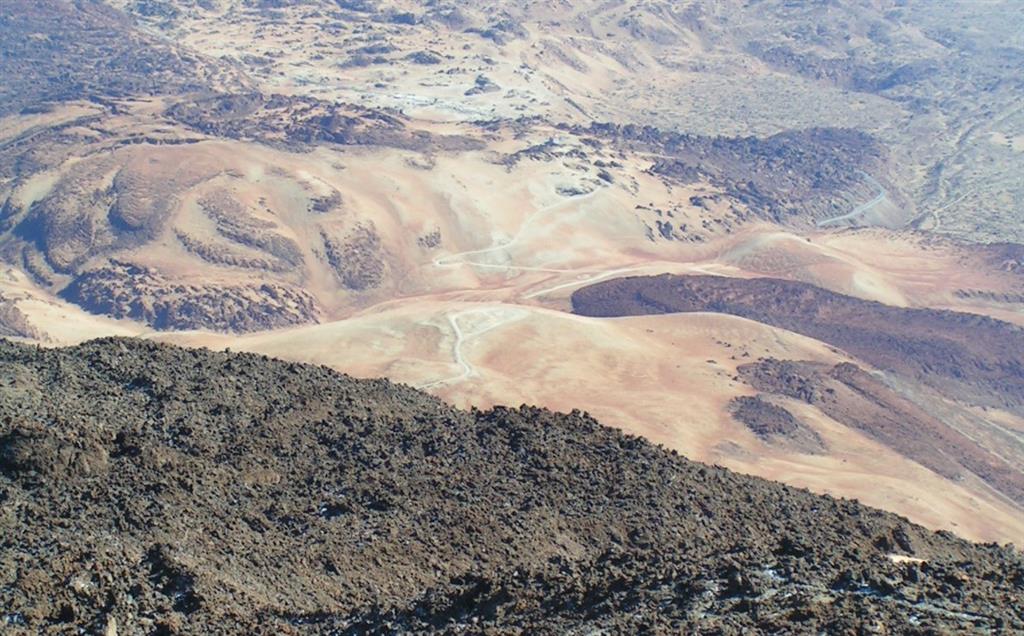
pixel 148 489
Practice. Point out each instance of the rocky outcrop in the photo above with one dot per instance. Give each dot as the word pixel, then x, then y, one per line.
pixel 357 258
pixel 167 490
pixel 223 254
pixel 13 321
pixel 965 357
pixel 234 222
pixel 846 72
pixel 853 397
pixel 775 425
pixel 292 120
pixel 123 290
pixel 793 176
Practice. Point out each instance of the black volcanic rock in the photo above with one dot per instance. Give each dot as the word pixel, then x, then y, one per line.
pixel 162 490
pixel 125 290
pixel 304 120
pixel 792 176
pixel 56 50
pixel 775 424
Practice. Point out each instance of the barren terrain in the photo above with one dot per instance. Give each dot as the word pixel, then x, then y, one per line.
pixel 152 489
pixel 416 189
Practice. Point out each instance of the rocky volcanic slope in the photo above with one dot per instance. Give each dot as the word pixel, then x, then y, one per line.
pixel 159 490
pixel 788 177
pixel 56 51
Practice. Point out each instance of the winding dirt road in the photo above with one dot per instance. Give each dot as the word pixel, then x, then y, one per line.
pixel 882 195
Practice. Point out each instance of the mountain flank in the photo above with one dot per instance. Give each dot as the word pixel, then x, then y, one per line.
pixel 150 489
